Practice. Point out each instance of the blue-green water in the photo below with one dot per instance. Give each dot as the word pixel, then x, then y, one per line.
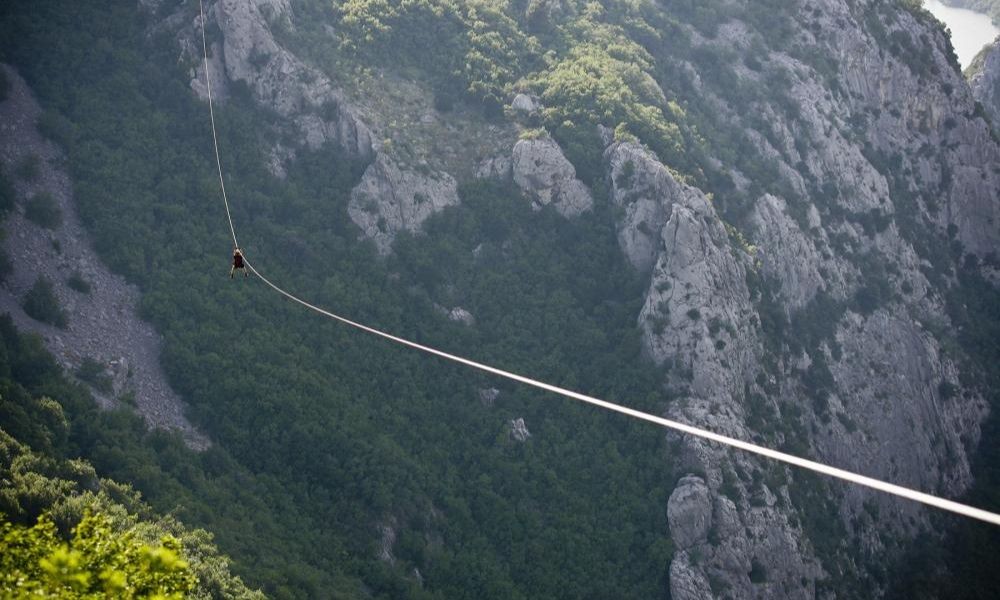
pixel 970 30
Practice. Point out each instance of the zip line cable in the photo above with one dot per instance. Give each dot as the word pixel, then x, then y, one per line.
pixel 211 114
pixel 688 429
pixel 849 476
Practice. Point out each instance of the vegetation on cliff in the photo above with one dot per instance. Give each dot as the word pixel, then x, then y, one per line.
pixel 324 440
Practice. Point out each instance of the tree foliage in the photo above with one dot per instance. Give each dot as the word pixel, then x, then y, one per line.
pixel 587 70
pixel 43 210
pixel 41 304
pixel 474 44
pixel 66 532
pixel 96 562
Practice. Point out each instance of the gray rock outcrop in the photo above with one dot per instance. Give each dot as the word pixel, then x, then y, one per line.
pixel 640 187
pixel 898 425
pixel 277 78
pixel 697 315
pixel 389 200
pixel 525 104
pixel 698 321
pixel 460 315
pixel 518 430
pixel 785 252
pixel 689 512
pixel 542 172
pixel 386 540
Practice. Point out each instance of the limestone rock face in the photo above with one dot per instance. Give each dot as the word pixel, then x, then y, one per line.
pixel 389 200
pixel 541 170
pixel 697 315
pixel 903 118
pixel 279 80
pixel 686 581
pixel 645 191
pixel 902 423
pixel 785 252
pixel 689 512
pixel 699 322
pixel 984 79
pixel 869 173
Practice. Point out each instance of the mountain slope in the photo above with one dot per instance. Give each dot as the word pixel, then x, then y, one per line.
pixel 775 220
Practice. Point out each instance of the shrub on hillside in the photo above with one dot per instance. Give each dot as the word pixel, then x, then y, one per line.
pixel 96 561
pixel 5 265
pixel 93 372
pixel 43 210
pixel 6 195
pixel 78 283
pixel 29 168
pixel 42 305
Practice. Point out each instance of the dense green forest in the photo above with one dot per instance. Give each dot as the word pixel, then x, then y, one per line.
pixel 321 435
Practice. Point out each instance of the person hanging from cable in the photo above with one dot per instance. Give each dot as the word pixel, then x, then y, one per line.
pixel 238 264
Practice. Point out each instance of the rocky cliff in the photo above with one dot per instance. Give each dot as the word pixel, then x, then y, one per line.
pixel 892 154
pixel 984 79
pixel 798 288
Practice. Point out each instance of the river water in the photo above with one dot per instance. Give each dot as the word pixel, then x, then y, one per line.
pixel 970 30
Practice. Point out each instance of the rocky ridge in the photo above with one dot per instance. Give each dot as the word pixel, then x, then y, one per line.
pixel 699 323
